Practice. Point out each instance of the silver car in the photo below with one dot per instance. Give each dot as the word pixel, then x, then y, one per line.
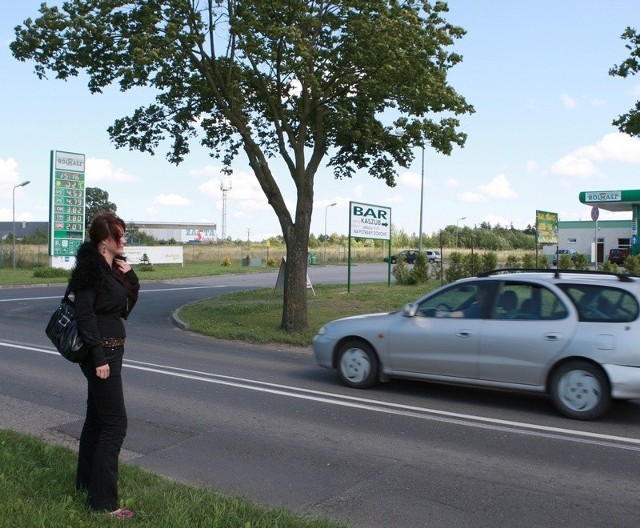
pixel 573 335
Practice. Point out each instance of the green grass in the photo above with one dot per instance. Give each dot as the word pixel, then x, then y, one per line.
pixel 255 316
pixel 37 490
pixel 26 276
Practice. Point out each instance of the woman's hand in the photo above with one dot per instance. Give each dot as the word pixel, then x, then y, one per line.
pixel 123 265
pixel 103 371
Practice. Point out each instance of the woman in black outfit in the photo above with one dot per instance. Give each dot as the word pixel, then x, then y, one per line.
pixel 106 289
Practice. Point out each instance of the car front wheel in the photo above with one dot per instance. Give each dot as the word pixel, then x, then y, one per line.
pixel 357 364
pixel 580 390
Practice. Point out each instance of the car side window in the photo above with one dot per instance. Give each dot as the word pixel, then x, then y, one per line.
pixel 470 300
pixel 521 300
pixel 602 303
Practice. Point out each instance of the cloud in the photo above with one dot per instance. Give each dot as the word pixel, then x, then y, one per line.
pixel 569 102
pixel 410 179
pixel 171 200
pixel 531 166
pixel 499 187
pixel 8 175
pixel 452 182
pixel 472 197
pixel 582 162
pixel 100 170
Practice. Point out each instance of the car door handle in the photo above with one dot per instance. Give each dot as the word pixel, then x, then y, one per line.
pixel 464 333
pixel 552 337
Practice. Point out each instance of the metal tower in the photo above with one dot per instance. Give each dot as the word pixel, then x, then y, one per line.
pixel 225 187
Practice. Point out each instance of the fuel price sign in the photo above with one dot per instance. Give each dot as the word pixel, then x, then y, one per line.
pixel 67 210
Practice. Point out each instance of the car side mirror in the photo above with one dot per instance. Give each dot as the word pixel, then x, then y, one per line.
pixel 410 309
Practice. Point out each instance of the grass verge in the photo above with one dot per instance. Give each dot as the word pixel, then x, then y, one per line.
pixel 25 276
pixel 37 489
pixel 255 316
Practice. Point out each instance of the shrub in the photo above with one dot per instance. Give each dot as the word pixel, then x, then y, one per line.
pixel 226 261
pixel 45 272
pixel 488 262
pixel 271 262
pixel 455 270
pixel 420 272
pixel 401 272
pixel 581 262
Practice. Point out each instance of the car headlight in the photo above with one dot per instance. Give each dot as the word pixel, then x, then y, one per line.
pixel 322 330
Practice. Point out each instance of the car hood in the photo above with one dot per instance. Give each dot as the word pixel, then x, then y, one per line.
pixel 366 321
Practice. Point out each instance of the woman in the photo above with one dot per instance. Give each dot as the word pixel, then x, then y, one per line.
pixel 105 289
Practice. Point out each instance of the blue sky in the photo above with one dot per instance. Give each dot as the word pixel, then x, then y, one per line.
pixel 536 73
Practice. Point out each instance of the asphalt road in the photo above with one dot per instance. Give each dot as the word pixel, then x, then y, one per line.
pixel 269 424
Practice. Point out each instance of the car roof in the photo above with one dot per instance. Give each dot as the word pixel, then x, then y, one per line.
pixel 582 276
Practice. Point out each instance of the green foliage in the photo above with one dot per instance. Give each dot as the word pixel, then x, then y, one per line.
pixel 145 263
pixel 565 261
pixel 226 261
pixel 36 490
pixel 528 261
pixel 488 262
pixel 420 272
pixel 456 269
pixel 581 262
pixel 97 200
pixel 512 261
pixel 295 81
pixel 632 265
pixel 629 123
pixel 45 272
pixel 271 262
pixel 470 264
pixel 401 272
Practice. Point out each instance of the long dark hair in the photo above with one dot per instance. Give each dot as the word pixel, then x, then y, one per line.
pixel 105 224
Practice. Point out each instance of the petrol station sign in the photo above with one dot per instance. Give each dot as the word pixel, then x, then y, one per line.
pixel 67 207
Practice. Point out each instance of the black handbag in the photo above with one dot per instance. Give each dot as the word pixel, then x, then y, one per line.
pixel 63 331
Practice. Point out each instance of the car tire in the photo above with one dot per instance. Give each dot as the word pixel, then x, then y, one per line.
pixel 357 364
pixel 580 390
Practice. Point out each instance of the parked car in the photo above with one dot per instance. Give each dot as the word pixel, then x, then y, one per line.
pixel 409 256
pixel 556 257
pixel 569 334
pixel 618 255
pixel 433 255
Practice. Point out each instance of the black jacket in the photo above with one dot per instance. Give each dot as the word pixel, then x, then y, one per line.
pixel 101 300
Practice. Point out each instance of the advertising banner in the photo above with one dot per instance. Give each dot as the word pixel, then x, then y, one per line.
pixel 547 227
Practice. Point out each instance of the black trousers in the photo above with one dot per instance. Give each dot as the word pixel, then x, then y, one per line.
pixel 104 429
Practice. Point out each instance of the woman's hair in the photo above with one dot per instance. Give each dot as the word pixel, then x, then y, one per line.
pixel 106 224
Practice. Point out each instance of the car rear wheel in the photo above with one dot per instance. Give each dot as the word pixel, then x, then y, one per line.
pixel 357 364
pixel 580 390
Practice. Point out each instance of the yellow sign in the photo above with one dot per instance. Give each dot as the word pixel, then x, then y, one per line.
pixel 547 227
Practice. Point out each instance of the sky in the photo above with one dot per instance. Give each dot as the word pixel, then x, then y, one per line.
pixel 535 71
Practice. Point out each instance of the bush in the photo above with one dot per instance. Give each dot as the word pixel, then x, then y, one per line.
pixel 420 272
pixel 401 272
pixel 488 262
pixel 50 272
pixel 226 261
pixel 632 265
pixel 270 262
pixel 581 262
pixel 455 270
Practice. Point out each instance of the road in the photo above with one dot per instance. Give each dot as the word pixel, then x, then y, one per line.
pixel 269 424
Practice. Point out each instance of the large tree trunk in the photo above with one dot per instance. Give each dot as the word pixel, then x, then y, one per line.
pixel 294 311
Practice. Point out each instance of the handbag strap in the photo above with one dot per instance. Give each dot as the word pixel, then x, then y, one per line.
pixel 67 292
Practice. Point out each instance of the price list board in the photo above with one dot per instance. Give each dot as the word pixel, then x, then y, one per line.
pixel 67 203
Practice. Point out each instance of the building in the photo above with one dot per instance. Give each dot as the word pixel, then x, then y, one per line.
pixel 182 233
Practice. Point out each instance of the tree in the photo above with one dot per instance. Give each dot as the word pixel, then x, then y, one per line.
pixel 97 200
pixel 359 83
pixel 629 123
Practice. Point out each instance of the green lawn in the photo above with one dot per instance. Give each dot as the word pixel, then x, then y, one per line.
pixel 37 490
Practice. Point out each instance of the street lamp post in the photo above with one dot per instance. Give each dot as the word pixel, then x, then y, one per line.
pixel 325 229
pixel 421 201
pixel 457 228
pixel 14 219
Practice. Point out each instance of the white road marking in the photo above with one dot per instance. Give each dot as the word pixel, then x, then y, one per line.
pixel 425 413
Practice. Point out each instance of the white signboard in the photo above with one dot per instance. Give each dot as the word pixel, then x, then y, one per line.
pixel 603 196
pixel 156 254
pixel 369 221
